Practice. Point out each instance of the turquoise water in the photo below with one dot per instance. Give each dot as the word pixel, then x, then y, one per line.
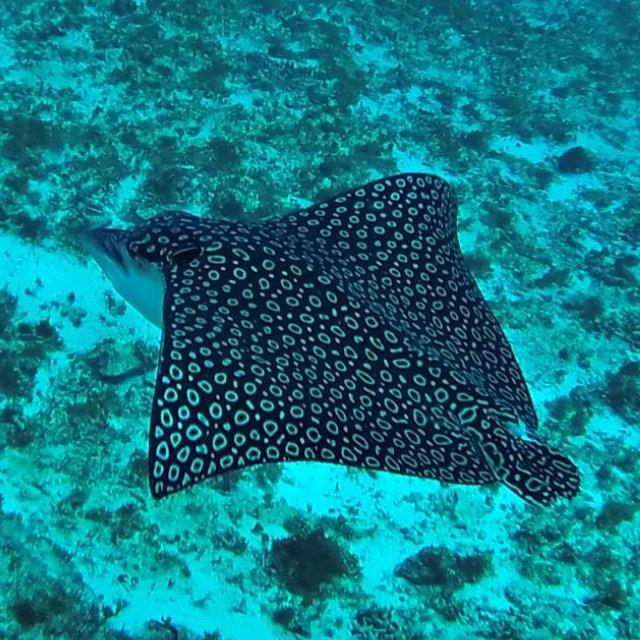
pixel 115 111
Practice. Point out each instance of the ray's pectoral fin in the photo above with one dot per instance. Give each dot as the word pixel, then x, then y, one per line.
pixel 180 441
pixel 207 396
pixel 530 468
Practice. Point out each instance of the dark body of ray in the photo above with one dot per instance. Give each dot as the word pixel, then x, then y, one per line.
pixel 349 332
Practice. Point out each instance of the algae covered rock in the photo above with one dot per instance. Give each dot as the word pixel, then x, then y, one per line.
pixel 575 160
pixel 439 567
pixel 623 391
pixel 304 563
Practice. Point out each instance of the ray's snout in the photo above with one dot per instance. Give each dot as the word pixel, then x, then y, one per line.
pixel 104 243
pixel 138 281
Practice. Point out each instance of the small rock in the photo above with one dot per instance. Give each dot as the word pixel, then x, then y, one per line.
pixel 575 160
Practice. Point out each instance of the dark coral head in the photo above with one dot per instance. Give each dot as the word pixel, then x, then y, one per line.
pixel 305 562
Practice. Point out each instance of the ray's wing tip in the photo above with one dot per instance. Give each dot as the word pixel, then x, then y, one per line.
pixel 533 470
pixel 567 478
pixel 566 493
pixel 563 484
pixel 157 489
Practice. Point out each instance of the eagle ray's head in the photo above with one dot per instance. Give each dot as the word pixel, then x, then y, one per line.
pixel 137 279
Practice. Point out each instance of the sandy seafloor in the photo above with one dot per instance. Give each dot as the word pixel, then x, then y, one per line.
pixel 118 109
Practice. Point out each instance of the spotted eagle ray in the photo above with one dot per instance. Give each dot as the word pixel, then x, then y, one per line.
pixel 349 332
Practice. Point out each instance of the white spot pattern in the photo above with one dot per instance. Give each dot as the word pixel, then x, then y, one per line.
pixel 350 332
